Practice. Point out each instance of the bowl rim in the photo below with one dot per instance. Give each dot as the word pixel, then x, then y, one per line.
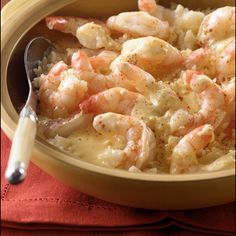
pixel 47 151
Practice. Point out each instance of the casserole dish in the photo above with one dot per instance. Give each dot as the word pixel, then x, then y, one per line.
pixel 21 21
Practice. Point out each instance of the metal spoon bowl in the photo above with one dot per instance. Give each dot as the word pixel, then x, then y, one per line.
pixel 25 133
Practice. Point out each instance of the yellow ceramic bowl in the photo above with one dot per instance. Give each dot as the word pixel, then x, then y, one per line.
pixel 19 19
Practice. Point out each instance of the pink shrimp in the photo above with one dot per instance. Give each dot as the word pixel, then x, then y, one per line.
pixel 202 59
pixel 140 147
pixel 67 24
pixel 152 8
pixel 149 6
pixel 102 61
pixel 211 108
pixel 229 91
pixel 196 58
pixel 183 158
pixel 118 100
pixel 218 25
pixel 96 82
pixel 134 78
pixel 228 126
pixel 151 54
pixel 124 75
pixel 91 33
pixel 214 63
pixel 225 63
pixel 139 24
pixel 61 91
pixel 211 94
pixel 57 69
pixel 80 61
pixel 60 23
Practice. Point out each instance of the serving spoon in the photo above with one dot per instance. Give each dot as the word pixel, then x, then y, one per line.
pixel 25 133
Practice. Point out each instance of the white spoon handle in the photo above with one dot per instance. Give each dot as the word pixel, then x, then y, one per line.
pixel 22 145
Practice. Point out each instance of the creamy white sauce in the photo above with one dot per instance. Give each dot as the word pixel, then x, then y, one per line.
pixel 89 145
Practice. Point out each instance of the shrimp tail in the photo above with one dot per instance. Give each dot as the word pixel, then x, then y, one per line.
pixel 56 23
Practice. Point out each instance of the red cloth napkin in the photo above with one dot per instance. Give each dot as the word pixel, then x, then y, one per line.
pixel 41 204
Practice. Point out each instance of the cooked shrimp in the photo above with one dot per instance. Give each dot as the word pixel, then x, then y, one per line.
pixel 80 61
pixel 134 78
pixel 215 62
pixel 183 158
pixel 57 69
pixel 195 57
pixel 95 36
pixel 65 24
pixel 96 82
pixel 151 7
pixel 139 24
pixel 61 91
pixel 102 61
pixel 229 121
pixel 90 33
pixel 141 145
pixel 225 63
pixel 181 19
pixel 118 100
pixel 229 91
pixel 151 54
pixel 124 75
pixel 201 60
pixel 211 109
pixel 217 26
